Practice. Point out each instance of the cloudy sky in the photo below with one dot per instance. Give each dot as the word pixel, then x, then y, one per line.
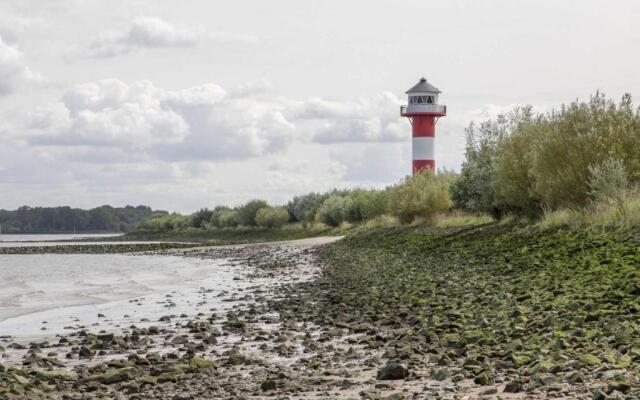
pixel 191 103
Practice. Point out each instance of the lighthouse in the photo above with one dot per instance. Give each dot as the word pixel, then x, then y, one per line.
pixel 423 112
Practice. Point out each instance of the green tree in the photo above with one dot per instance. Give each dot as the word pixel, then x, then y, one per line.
pixel 246 214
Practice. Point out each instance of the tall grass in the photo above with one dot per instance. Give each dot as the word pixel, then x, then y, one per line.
pixel 599 215
pixel 461 218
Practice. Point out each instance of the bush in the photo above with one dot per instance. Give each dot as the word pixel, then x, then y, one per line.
pixel 333 211
pixel 214 220
pixel 272 217
pixel 201 217
pixel 608 183
pixel 246 214
pixel 227 218
pixel 579 136
pixel 304 208
pixel 365 205
pixel 422 195
pixel 172 222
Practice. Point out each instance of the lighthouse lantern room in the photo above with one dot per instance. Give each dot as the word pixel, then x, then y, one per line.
pixel 423 111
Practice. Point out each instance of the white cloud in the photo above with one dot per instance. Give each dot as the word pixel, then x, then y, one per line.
pixel 154 32
pixel 373 162
pixel 373 119
pixel 13 72
pixel 143 121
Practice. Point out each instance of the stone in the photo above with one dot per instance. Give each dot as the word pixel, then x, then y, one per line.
pixel 590 359
pixel 392 371
pixel 86 352
pixel 483 379
pixel 115 375
pixel 514 386
pixel 56 375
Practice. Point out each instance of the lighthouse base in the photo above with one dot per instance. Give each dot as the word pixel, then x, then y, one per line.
pixel 421 165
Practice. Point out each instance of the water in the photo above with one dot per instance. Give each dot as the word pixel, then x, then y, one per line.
pixel 20 240
pixel 70 290
pixel 10 237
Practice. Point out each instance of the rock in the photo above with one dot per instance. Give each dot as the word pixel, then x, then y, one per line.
pixel 520 359
pixel 394 396
pixel 483 379
pixel 599 395
pixel 514 386
pixel 439 374
pixel 574 377
pixel 56 375
pixel 201 363
pixel 86 352
pixel 392 371
pixel 169 377
pixel 115 375
pixel 106 337
pixel 590 359
pixel 269 384
pixel 619 386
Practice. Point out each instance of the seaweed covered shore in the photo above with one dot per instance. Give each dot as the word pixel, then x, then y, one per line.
pixel 491 312
pixel 517 309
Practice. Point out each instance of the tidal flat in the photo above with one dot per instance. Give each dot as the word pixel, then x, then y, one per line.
pixel 494 311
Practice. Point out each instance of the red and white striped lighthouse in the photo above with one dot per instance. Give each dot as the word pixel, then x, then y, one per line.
pixel 423 112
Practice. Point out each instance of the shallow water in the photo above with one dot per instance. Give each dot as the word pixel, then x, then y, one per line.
pixel 24 240
pixel 66 290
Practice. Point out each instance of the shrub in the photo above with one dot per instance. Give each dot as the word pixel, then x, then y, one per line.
pixel 421 195
pixel 579 136
pixel 304 208
pixel 227 218
pixel 608 183
pixel 333 211
pixel 201 217
pixel 214 220
pixel 365 205
pixel 246 214
pixel 272 217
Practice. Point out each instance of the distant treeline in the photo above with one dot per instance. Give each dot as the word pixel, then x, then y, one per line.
pixel 66 219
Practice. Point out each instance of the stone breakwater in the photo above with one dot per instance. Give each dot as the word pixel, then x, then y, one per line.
pixel 94 248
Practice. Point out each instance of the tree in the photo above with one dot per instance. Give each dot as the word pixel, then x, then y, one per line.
pixel 246 214
pixel 272 217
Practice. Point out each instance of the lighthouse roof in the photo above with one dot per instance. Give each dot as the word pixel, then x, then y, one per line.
pixel 422 87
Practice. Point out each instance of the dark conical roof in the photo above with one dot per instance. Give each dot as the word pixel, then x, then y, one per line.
pixel 423 86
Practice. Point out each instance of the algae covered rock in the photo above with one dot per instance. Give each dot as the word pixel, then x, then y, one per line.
pixel 56 375
pixel 115 375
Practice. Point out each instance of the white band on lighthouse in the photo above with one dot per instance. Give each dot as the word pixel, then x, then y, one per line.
pixel 423 148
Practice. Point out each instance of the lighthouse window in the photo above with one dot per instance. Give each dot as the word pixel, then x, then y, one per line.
pixel 429 99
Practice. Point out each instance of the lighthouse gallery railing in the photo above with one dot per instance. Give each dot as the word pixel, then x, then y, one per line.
pixel 423 108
